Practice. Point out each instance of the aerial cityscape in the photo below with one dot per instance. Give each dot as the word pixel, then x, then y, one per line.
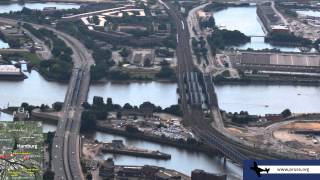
pixel 157 89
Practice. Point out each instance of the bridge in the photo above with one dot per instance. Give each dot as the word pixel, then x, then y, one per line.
pixel 66 143
pixel 197 94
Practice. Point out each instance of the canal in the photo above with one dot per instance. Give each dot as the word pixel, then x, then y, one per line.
pixel 6 8
pixel 246 20
pixel 181 160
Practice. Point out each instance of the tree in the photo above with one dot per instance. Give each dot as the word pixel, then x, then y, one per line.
pixel 127 106
pixel 286 113
pixel 57 106
pixel 98 102
pixel 95 20
pixel 43 107
pixel 88 121
pixel 147 105
pixel 109 102
pixel 48 175
pixel 166 72
pixel 86 105
pixel 25 105
pixel 97 72
pixel 132 129
pixel 147 62
pixel 119 115
pixel 174 109
pixel 89 176
pixel 124 52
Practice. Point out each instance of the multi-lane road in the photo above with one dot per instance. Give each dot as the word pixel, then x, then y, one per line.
pixel 66 150
pixel 66 144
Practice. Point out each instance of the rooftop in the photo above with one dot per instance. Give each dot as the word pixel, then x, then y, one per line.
pixel 9 69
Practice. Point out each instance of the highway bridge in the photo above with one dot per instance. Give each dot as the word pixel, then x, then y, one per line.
pixel 66 150
pixel 66 143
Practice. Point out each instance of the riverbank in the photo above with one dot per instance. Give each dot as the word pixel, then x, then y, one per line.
pixel 104 81
pixel 266 81
pixel 200 148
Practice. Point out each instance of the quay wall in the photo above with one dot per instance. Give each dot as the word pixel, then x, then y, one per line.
pixel 202 148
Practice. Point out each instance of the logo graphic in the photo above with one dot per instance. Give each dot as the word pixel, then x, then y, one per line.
pixel 258 170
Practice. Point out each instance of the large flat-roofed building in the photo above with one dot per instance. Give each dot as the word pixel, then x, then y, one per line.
pixel 280 59
pixel 9 70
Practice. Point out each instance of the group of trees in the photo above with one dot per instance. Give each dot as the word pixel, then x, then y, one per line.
pixel 243 117
pixel 199 48
pixel 60 66
pixel 222 38
pixel 217 6
pixel 166 72
pixel 288 39
pixel 208 23
pixel 13 42
pixel 103 60
pixel 102 56
pixel 99 110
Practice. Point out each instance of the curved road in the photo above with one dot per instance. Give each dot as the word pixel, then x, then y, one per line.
pixel 66 144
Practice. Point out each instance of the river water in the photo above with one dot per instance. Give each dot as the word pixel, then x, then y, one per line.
pixel 6 8
pixel 182 160
pixel 45 126
pixel 245 19
pixel 3 45
pixel 266 99
pixel 161 94
pixel 309 13
pixel 257 99
pixel 35 90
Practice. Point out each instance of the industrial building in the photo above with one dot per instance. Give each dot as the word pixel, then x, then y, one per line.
pixel 280 59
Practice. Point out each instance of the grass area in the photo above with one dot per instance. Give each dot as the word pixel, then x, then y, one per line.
pixel 32 58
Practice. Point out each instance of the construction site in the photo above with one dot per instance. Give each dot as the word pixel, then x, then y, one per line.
pixel 298 137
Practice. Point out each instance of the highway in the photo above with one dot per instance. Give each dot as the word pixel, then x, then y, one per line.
pixel 196 90
pixel 66 144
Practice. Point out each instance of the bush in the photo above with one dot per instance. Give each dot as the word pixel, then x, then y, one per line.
pixel 286 113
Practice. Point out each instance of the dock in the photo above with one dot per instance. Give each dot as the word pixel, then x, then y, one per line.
pixel 117 147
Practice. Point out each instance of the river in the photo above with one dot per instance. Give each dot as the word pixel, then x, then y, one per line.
pixel 266 99
pixel 256 99
pixel 245 19
pixel 34 90
pixel 181 160
pixel 309 13
pixel 6 8
pixel 135 93
pixel 46 127
pixel 3 45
